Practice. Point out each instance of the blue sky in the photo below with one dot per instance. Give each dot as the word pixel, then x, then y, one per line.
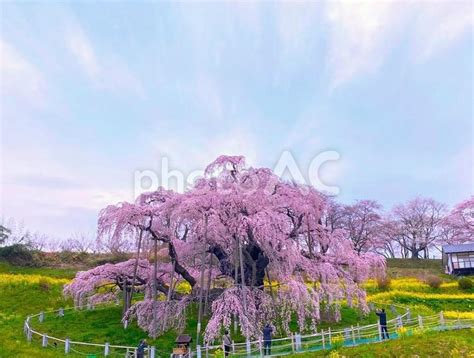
pixel 92 92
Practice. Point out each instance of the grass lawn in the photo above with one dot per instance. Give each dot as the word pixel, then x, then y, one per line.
pixel 455 344
pixel 25 291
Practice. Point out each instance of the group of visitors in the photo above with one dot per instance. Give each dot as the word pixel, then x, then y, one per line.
pixel 267 337
pixel 267 341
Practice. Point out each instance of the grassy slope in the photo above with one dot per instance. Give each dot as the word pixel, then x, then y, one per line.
pixel 18 299
pixel 444 344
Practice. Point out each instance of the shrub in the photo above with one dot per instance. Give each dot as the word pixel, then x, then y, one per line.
pixel 465 283
pixel 44 284
pixel 110 259
pixel 433 281
pixel 19 255
pixel 384 282
pixel 71 257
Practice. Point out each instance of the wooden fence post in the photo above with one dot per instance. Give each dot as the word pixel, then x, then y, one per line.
pixel 322 338
pixel 152 352
pixel 45 341
pixel 26 325
pixel 41 316
pixel 198 351
pixel 420 321
pixel 330 336
pixel 298 342
pixel 67 346
pixel 292 342
pixel 380 330
pixel 408 315
pixel 106 349
pixel 353 335
pixel 260 346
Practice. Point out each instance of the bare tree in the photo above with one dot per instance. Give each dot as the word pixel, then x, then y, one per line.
pixel 19 234
pixel 4 233
pixel 38 241
pixel 82 242
pixel 121 245
pixel 361 223
pixel 416 226
pixel 333 215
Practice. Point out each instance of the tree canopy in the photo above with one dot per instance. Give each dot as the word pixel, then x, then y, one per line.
pixel 263 238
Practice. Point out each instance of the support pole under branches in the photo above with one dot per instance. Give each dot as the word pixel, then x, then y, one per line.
pixel 135 269
pixel 201 284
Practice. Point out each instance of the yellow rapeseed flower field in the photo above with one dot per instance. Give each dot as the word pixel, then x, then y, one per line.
pixel 420 295
pixel 408 283
pixel 7 279
pixel 456 314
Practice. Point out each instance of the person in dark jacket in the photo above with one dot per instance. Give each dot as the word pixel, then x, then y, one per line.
pixel 141 348
pixel 383 322
pixel 267 339
pixel 227 343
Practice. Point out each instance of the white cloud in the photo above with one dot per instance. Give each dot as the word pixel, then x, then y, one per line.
pixel 361 34
pixel 108 71
pixel 358 37
pixel 80 46
pixel 440 25
pixel 19 78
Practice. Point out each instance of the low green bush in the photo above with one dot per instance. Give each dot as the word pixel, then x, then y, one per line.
pixel 20 255
pixel 44 284
pixel 433 281
pixel 384 282
pixel 465 283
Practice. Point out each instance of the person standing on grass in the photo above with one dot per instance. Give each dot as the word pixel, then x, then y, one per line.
pixel 141 348
pixel 267 339
pixel 383 322
pixel 227 343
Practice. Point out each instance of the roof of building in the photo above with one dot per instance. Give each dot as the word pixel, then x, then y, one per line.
pixel 448 249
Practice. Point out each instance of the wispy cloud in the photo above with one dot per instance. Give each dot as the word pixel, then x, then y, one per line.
pixel 78 43
pixel 441 25
pixel 19 78
pixel 107 71
pixel 358 37
pixel 362 34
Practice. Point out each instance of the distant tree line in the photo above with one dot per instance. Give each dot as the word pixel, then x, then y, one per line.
pixel 414 229
pixel 410 230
